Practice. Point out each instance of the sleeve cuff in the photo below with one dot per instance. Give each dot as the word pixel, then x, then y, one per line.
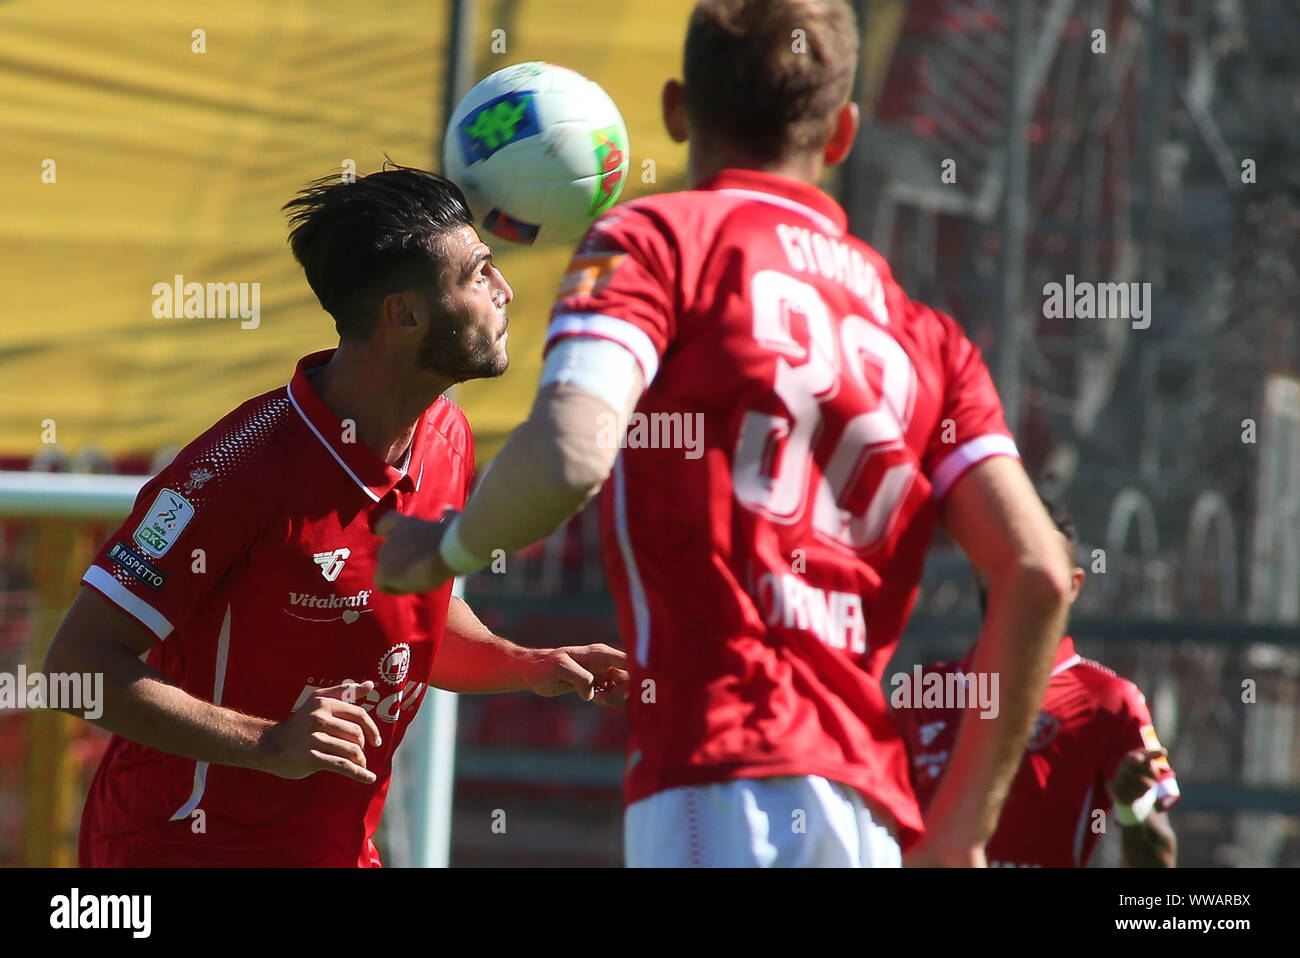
pixel 954 465
pixel 454 554
pixel 630 337
pixel 126 600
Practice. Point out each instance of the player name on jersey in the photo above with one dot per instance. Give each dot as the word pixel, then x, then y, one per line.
pixel 808 251
pixel 834 617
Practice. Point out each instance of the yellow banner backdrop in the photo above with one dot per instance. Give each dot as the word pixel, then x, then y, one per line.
pixel 144 141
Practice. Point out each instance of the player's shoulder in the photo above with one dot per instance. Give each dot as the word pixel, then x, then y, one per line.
pixel 645 222
pixel 221 476
pixel 446 420
pixel 1109 690
pixel 237 446
pixel 685 215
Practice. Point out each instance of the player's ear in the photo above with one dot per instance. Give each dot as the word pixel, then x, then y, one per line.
pixel 398 309
pixel 1076 583
pixel 674 107
pixel 846 132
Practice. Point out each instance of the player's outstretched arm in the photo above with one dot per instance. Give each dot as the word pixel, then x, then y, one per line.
pixel 138 703
pixel 473 659
pixel 551 464
pixel 996 517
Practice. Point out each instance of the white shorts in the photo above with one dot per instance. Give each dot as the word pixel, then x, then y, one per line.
pixel 796 822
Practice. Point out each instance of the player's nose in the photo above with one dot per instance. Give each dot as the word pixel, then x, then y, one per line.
pixel 505 288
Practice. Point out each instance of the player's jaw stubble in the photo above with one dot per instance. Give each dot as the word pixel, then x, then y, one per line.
pixel 465 353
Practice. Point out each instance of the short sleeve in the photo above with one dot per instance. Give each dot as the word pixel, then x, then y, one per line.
pixel 470 470
pixel 971 426
pixel 1136 730
pixel 188 526
pixel 620 286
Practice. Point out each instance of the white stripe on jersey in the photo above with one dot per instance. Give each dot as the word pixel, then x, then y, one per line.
pixel 128 601
pixel 328 448
pixel 201 768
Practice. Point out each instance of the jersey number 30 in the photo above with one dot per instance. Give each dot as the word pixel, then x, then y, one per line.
pixel 774 454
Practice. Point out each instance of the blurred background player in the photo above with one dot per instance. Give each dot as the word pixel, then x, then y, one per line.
pixel 762 584
pixel 233 615
pixel 1094 747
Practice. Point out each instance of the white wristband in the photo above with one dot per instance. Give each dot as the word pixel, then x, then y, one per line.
pixel 454 554
pixel 1136 814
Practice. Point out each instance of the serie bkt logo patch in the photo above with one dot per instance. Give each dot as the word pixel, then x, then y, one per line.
pixel 163 523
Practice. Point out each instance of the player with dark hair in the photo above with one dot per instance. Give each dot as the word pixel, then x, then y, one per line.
pixel 244 575
pixel 762 580
pixel 1094 749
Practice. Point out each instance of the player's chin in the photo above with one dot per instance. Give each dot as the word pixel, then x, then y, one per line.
pixel 497 361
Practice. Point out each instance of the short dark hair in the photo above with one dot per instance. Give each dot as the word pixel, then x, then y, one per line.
pixel 359 241
pixel 1062 519
pixel 752 82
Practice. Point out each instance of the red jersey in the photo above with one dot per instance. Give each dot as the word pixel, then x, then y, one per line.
pixel 251 558
pixel 1090 719
pixel 767 520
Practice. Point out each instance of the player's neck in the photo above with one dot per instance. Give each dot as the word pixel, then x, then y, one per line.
pixel 386 407
pixel 706 164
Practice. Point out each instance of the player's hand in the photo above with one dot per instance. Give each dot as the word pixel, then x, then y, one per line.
pixel 409 560
pixel 1135 776
pixel 597 673
pixel 329 733
pixel 931 854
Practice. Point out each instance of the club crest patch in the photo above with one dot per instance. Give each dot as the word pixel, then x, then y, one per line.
pixel 1045 729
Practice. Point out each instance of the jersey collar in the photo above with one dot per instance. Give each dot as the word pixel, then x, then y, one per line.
pixel 781 191
pixel 365 467
pixel 1066 657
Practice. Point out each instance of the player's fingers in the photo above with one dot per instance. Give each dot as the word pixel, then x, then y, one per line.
pixel 1151 756
pixel 387 523
pixel 348 691
pixel 341 728
pixel 400 567
pixel 576 677
pixel 330 745
pixel 609 694
pixel 336 763
pixel 598 656
pixel 611 687
pixel 359 716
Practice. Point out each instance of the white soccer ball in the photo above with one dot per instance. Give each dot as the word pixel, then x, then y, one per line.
pixel 539 150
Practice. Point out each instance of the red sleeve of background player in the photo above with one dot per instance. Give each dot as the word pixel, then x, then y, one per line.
pixel 619 286
pixel 971 427
pixel 188 526
pixel 471 473
pixel 1136 730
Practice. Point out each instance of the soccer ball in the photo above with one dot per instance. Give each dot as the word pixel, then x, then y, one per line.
pixel 539 150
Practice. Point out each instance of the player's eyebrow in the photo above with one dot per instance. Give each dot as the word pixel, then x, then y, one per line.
pixel 483 255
